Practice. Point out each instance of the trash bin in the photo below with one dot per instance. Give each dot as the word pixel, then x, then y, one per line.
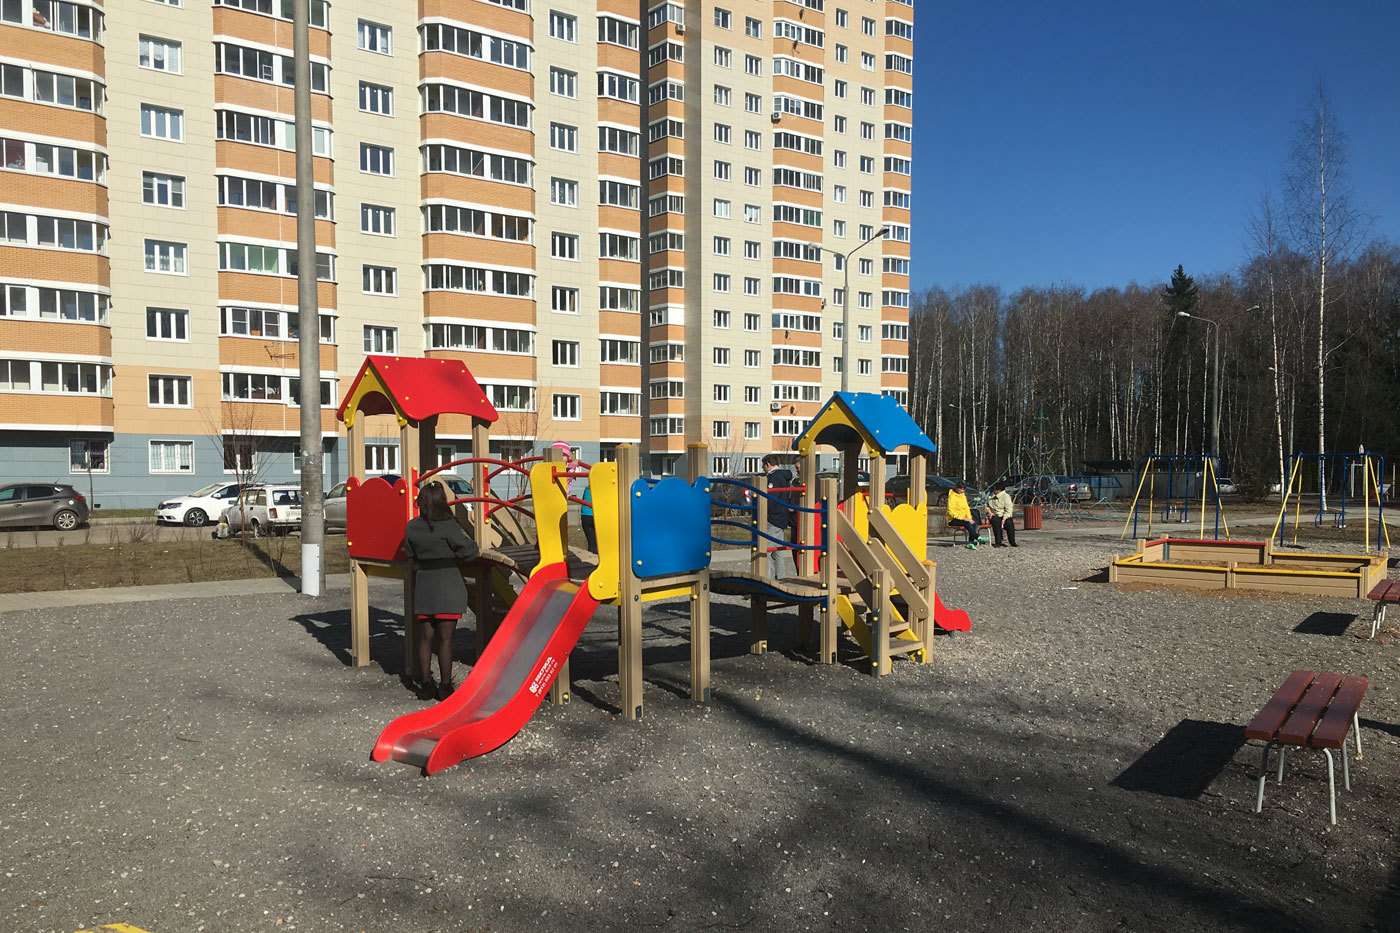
pixel 1030 518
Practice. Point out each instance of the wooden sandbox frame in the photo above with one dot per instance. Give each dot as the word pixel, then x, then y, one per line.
pixel 1247 565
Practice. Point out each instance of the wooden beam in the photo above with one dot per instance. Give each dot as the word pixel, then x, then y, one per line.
pixel 629 641
pixel 700 639
pixel 826 653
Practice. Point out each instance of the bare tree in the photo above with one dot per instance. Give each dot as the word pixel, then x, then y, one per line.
pixel 1323 223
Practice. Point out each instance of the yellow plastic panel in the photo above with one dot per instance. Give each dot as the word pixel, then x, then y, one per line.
pixel 911 523
pixel 551 512
pixel 861 519
pixel 604 582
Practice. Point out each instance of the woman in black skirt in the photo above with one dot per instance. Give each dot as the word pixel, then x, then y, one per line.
pixel 437 545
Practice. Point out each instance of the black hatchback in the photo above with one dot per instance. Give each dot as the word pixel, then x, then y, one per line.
pixel 39 504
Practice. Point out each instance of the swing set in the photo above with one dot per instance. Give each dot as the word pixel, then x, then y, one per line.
pixel 1180 469
pixel 1372 466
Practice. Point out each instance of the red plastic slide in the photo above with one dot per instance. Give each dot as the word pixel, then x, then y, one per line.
pixel 507 683
pixel 950 620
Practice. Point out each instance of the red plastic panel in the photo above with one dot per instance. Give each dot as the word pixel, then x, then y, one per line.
pixel 950 620
pixel 375 517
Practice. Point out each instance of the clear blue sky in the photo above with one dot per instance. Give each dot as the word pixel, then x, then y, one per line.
pixel 1099 143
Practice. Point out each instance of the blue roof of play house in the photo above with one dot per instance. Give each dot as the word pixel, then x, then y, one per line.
pixel 878 421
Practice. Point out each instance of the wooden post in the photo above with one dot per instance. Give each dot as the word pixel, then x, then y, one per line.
pixel 880 610
pixel 559 689
pixel 359 580
pixel 918 478
pixel 359 614
pixel 427 443
pixel 629 637
pixel 826 653
pixel 850 473
pixel 481 448
pixel 700 638
pixel 808 522
pixel 930 595
pixel 758 562
pixel 877 482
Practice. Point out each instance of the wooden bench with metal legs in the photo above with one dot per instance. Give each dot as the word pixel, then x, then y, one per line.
pixel 1310 711
pixel 1385 593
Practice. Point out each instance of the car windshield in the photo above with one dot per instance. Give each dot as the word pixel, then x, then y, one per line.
pixel 207 490
pixel 459 488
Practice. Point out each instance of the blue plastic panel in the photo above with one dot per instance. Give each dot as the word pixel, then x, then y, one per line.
pixel 670 527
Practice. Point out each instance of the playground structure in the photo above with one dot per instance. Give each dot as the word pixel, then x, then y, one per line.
pixel 1372 467
pixel 1214 564
pixel 654 543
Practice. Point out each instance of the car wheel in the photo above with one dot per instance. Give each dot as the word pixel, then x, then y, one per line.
pixel 65 520
pixel 196 518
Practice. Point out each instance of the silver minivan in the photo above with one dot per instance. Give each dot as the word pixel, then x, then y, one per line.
pixel 267 509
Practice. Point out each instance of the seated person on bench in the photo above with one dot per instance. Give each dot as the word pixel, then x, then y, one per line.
pixel 958 514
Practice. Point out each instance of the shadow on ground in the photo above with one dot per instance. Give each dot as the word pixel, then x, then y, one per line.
pixel 1185 761
pixel 1326 623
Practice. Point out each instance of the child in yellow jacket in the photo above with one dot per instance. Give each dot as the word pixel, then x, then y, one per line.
pixel 960 515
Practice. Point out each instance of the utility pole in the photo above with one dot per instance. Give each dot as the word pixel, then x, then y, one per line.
pixel 846 310
pixel 313 526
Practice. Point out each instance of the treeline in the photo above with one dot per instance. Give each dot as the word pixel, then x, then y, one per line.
pixel 1060 375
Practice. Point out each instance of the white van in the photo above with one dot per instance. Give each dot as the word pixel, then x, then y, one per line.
pixel 267 510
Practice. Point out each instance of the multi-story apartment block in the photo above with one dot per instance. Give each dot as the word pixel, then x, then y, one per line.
pixel 631 221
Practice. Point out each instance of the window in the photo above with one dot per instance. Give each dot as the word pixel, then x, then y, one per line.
pixel 721 207
pixel 867 165
pixel 753 65
pixel 165 257
pixel 381 458
pixel 721 282
pixel 866 266
pixel 753 140
pixel 379 280
pixel 377 220
pixel 721 245
pixel 566 407
pixel 721 393
pixel 867 61
pixel 752 286
pixel 838 228
pixel 719 429
pixel 381 339
pixel 620 403
pixel 753 28
pixel 618 194
pixel 752 176
pixel 168 391
pixel 752 214
pixel 724 58
pixel 565 353
pixel 752 359
pixel 664 426
pixel 723 133
pixel 618 246
pixel 839 124
pixel 376 38
pixel 86 455
pixel 721 320
pixel 439 97
pixel 753 430
pixel 617 32
pixel 721 356
pixel 752 322
pixel 843 19
pixel 162 123
pixel 163 190
pixel 563 138
pixel 618 86
pixel 863 367
pixel 376 160
pixel 612 350
pixel 838 158
pixel 167 324
pixel 376 98
pixel 753 103
pixel 723 18
pixel 562 26
pixel 157 54
pixel 170 456
pixel 564 246
pixel 722 170
pixel 840 53
pixel 563 83
pixel 563 300
pixel 753 395
pixel 863 332
pixel 563 191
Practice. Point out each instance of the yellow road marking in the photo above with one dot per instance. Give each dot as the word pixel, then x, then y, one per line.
pixel 114 928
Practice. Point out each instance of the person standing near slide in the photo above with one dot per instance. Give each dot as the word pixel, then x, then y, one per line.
pixel 437 545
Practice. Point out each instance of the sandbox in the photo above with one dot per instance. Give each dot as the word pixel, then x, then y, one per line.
pixel 1247 565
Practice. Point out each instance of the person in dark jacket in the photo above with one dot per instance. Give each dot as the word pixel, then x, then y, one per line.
pixel 780 517
pixel 437 545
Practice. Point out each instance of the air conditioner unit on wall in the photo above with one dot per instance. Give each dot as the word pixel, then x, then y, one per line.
pixel 777 115
pixel 680 28
pixel 776 406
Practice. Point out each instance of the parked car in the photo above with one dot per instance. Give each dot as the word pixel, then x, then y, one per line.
pixel 42 504
pixel 935 487
pixel 267 509
pixel 727 497
pixel 199 507
pixel 862 478
pixel 1048 487
pixel 1226 485
pixel 335 499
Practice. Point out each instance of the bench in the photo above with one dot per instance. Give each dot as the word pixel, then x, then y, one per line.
pixel 1310 711
pixel 956 530
pixel 1384 593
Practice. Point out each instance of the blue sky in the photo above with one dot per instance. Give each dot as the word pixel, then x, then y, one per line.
pixel 1099 143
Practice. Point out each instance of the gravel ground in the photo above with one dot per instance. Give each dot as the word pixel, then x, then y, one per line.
pixel 1076 762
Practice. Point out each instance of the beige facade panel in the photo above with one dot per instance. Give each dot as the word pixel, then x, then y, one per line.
pixel 54 265
pixel 478 250
pixel 38 337
pixel 55 194
pixel 41 410
pixel 267 30
pixel 476 133
pixel 477 73
pixel 480 15
pixel 478 191
pixel 43 120
pixel 265 160
pixel 478 308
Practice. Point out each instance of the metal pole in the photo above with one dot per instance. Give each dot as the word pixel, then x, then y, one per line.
pixel 313 529
pixel 846 309
pixel 1215 420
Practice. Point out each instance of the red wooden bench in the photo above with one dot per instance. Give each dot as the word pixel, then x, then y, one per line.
pixel 1310 711
pixel 1384 593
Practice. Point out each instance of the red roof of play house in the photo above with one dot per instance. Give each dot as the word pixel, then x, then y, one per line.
pixel 421 388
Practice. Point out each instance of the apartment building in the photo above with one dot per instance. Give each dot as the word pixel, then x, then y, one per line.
pixel 631 221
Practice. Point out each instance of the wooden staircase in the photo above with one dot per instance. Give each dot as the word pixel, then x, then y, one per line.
pixel 887 593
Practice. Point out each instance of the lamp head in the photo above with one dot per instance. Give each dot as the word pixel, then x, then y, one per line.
pixel 1183 314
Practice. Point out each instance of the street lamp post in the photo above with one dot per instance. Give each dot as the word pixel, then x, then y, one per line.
pixel 1215 377
pixel 846 310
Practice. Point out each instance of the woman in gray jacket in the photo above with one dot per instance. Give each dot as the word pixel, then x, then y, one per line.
pixel 437 545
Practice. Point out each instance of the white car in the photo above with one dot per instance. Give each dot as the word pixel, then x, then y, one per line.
pixel 335 499
pixel 199 507
pixel 267 509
